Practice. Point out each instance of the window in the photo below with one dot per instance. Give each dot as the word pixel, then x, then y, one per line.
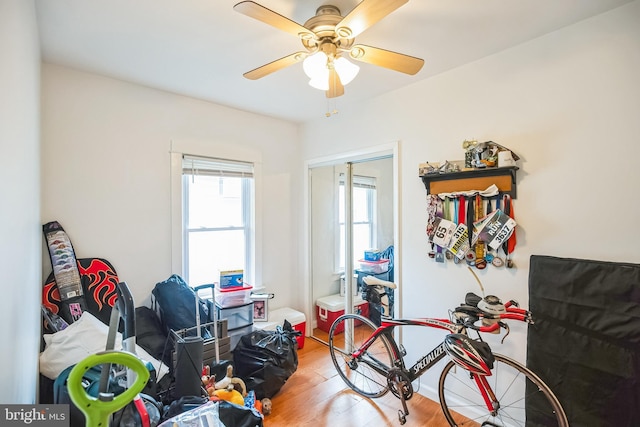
pixel 364 208
pixel 217 218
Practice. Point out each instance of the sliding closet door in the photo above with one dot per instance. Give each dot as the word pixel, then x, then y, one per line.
pixel 351 210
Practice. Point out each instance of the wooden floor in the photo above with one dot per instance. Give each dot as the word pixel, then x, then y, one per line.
pixel 315 395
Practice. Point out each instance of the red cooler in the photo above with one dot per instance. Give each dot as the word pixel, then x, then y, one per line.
pixel 329 308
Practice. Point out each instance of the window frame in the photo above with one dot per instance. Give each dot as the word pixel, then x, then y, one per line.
pixel 211 149
pixel 226 167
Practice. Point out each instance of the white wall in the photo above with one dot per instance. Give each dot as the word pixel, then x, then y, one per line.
pixel 106 169
pixel 568 103
pixel 20 206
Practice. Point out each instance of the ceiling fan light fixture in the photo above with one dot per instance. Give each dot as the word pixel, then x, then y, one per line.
pixel 320 82
pixel 346 70
pixel 315 66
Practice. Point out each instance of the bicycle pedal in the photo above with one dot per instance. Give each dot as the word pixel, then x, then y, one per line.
pixel 402 417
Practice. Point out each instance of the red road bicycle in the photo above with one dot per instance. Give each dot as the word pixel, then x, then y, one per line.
pixel 476 386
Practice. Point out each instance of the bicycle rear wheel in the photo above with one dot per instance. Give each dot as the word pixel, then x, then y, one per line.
pixel 367 374
pixel 523 398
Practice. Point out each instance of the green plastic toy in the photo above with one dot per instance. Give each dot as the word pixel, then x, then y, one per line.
pixel 97 410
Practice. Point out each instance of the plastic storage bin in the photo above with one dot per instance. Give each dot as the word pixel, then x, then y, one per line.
pixel 277 318
pixel 236 334
pixel 329 308
pixel 233 297
pixel 376 267
pixel 237 317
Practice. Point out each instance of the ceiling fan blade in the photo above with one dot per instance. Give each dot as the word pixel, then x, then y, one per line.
pixel 386 58
pixel 364 15
pixel 276 65
pixel 268 16
pixel 335 85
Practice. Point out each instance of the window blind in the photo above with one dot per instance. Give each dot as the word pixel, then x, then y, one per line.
pixel 360 181
pixel 196 165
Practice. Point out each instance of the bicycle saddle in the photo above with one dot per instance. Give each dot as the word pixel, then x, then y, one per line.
pixel 374 281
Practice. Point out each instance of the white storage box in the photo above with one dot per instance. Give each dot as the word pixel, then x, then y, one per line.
pixel 277 318
pixel 376 267
pixel 233 297
pixel 329 308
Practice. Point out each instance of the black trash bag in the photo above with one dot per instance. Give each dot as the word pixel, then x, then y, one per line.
pixel 266 359
pixel 177 302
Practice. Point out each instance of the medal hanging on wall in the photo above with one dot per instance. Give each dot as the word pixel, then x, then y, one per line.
pixel 471 255
pixel 510 244
pixel 460 218
pixel 497 261
pixel 480 263
pixel 439 214
pixel 451 217
pixel 489 256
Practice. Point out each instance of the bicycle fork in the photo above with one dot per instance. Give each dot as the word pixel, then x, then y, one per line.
pixel 487 393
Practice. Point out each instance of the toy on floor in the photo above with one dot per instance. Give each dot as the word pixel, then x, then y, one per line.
pixel 229 382
pixel 267 406
pixel 233 389
pixel 230 395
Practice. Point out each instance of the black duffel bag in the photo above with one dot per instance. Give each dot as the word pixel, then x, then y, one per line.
pixel 266 359
pixel 176 301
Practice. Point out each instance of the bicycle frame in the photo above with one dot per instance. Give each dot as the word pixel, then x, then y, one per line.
pixel 426 361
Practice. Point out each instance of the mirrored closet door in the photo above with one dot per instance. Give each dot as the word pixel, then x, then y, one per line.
pixel 339 236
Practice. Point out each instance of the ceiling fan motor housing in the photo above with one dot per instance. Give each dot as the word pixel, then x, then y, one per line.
pixel 323 24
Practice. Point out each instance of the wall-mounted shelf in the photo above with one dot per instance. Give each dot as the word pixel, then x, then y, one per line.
pixel 476 179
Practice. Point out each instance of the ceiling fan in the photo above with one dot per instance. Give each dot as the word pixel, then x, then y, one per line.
pixel 328 37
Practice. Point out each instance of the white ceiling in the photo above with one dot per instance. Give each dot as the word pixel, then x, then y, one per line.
pixel 201 48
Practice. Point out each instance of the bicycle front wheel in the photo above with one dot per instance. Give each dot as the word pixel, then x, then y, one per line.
pixel 366 374
pixel 523 399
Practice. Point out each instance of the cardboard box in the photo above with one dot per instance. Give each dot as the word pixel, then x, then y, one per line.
pixel 231 279
pixel 329 308
pixel 372 255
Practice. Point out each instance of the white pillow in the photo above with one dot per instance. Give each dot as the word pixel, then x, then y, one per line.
pixel 87 335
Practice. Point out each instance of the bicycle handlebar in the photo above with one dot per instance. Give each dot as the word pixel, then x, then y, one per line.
pixel 492 309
